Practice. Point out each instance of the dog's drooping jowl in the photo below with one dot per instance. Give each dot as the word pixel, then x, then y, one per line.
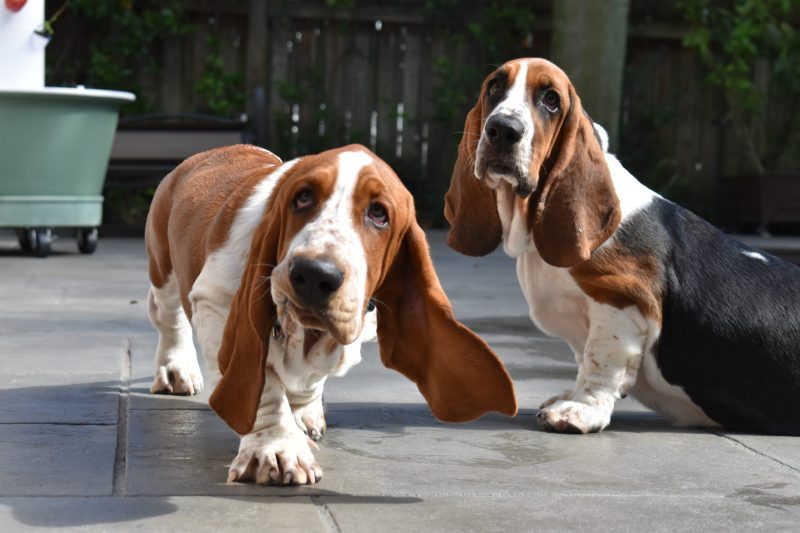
pixel 283 269
pixel 653 300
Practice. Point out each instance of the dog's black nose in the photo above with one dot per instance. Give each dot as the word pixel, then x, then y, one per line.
pixel 314 281
pixel 504 131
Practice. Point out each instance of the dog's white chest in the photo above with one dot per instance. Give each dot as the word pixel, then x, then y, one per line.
pixel 557 305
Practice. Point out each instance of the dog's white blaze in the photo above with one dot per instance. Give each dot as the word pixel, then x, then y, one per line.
pixel 516 98
pixel 516 104
pixel 333 227
pixel 341 209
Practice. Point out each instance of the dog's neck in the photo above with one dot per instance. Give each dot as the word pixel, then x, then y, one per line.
pixel 305 357
pixel 517 237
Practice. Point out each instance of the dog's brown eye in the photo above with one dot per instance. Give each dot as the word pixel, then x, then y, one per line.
pixel 377 215
pixel 492 88
pixel 303 200
pixel 551 101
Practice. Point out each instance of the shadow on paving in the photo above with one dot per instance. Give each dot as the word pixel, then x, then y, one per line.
pixel 82 512
pixel 91 402
pixel 507 325
pixel 395 417
pixel 74 512
pixel 76 404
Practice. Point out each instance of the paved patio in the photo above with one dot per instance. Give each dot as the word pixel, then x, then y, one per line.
pixel 83 444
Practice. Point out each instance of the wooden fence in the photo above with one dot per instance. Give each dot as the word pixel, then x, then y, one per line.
pixel 333 76
pixel 391 76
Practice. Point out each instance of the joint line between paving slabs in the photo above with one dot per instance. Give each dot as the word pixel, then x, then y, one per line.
pixel 325 515
pixel 121 453
pixel 737 442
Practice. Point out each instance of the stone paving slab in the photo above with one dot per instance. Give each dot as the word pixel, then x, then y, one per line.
pixel 180 451
pixel 68 350
pixel 405 452
pixel 566 512
pixel 57 460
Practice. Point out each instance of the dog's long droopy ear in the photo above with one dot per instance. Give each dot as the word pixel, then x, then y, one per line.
pixel 245 341
pixel 458 374
pixel 469 205
pixel 576 207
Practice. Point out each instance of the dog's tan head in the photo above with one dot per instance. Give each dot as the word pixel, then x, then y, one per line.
pixel 339 238
pixel 529 135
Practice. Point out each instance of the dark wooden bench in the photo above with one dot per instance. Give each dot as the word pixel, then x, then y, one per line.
pixel 147 147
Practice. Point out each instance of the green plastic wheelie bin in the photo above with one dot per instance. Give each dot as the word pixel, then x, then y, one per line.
pixel 54 149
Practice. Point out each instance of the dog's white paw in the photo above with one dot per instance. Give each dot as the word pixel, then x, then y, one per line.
pixel 275 459
pixel 311 419
pixel 566 416
pixel 177 378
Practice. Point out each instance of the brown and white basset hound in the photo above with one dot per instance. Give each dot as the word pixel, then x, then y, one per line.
pixel 653 300
pixel 284 269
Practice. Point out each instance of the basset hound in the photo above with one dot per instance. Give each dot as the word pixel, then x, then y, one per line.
pixel 653 300
pixel 283 270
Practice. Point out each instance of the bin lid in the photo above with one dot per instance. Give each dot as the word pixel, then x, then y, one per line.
pixel 73 92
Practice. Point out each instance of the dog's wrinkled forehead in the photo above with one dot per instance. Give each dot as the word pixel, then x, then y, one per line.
pixel 513 86
pixel 346 203
pixel 321 200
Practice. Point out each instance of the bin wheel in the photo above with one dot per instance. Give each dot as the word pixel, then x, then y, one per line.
pixel 41 239
pixel 87 240
pixel 24 238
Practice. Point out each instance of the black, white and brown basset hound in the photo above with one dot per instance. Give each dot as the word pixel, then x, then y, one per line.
pixel 653 300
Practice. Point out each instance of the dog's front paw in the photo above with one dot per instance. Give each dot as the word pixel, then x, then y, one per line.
pixel 311 419
pixel 177 378
pixel 558 397
pixel 284 459
pixel 574 417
